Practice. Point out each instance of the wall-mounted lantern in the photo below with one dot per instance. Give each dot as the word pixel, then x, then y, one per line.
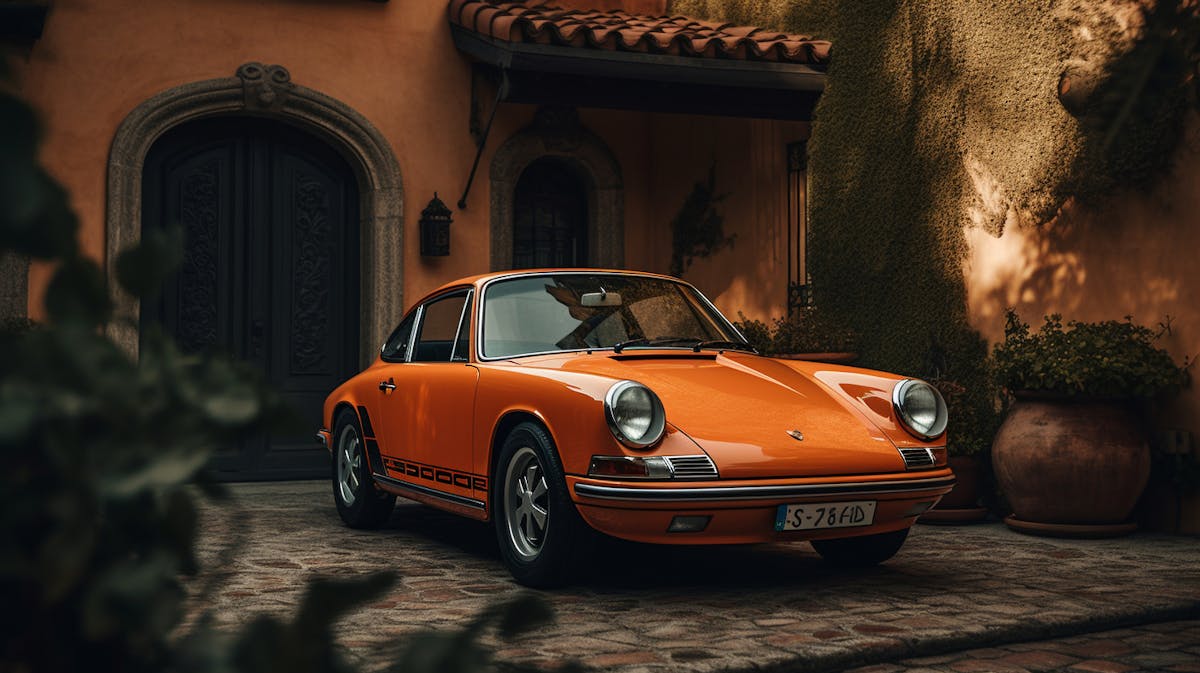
pixel 435 229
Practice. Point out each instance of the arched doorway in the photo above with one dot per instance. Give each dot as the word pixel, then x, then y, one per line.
pixel 270 272
pixel 550 227
pixel 556 136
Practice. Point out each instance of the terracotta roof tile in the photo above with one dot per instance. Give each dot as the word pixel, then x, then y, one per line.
pixel 536 21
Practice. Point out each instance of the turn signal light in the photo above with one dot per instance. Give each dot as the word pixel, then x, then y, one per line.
pixel 939 456
pixel 630 467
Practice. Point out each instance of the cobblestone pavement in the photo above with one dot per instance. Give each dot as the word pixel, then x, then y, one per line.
pixel 1170 646
pixel 644 608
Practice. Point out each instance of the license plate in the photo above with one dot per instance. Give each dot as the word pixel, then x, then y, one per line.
pixel 822 515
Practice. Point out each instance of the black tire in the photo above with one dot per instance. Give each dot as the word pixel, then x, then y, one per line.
pixel 862 551
pixel 359 502
pixel 539 557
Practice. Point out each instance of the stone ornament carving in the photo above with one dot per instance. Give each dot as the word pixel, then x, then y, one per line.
pixel 267 91
pixel 265 87
pixel 559 127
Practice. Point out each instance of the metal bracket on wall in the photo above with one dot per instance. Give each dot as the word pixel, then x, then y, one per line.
pixel 482 136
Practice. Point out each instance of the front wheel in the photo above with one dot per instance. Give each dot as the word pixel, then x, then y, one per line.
pixel 359 502
pixel 862 551
pixel 542 538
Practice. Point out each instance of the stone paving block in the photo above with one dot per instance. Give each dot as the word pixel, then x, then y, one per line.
pixel 624 658
pixel 932 661
pixel 1160 659
pixel 1092 648
pixel 982 666
pixel 1040 660
pixel 1102 666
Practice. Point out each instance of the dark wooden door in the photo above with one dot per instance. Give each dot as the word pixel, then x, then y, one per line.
pixel 270 271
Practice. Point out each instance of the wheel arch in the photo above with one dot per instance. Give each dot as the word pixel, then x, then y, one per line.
pixel 509 420
pixel 337 410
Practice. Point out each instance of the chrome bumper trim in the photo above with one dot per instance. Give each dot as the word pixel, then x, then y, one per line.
pixel 719 493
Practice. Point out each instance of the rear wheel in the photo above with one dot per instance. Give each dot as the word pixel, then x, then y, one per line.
pixel 542 538
pixel 862 551
pixel 359 502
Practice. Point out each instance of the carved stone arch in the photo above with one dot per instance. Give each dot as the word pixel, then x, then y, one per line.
pixel 556 132
pixel 267 91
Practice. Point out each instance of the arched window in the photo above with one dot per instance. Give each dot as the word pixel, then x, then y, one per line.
pixel 550 227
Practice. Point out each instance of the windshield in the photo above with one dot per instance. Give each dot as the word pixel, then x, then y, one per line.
pixel 563 312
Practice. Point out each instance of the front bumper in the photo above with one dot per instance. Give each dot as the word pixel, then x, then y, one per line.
pixel 744 511
pixel 718 494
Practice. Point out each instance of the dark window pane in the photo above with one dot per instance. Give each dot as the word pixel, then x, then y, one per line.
pixel 397 344
pixel 462 347
pixel 549 217
pixel 439 324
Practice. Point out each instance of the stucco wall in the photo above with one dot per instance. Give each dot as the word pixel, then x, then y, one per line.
pixel 1135 257
pixel 751 169
pixel 396 65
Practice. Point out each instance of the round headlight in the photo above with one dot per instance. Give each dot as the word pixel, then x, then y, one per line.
pixel 921 408
pixel 635 414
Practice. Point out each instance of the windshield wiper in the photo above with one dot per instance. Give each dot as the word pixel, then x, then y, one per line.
pixel 660 341
pixel 622 345
pixel 734 345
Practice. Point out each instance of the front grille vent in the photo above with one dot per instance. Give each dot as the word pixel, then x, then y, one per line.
pixel 693 467
pixel 917 459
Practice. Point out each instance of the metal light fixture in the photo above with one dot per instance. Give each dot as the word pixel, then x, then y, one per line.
pixel 435 229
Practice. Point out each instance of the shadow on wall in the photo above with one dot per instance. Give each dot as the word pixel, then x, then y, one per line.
pixel 1135 257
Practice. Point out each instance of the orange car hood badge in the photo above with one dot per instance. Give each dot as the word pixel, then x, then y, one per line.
pixel 796 435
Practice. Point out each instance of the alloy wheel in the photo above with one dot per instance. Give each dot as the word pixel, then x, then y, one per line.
pixel 349 460
pixel 526 503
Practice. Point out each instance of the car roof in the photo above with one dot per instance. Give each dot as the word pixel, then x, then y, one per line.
pixel 479 280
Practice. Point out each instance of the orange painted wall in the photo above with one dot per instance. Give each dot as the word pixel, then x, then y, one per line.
pixel 1136 257
pixel 395 63
pixel 751 161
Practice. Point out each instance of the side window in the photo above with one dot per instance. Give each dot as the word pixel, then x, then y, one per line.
pixel 439 326
pixel 462 347
pixel 396 347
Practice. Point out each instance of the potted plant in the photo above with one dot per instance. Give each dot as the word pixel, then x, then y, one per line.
pixel 1071 456
pixel 807 334
pixel 973 423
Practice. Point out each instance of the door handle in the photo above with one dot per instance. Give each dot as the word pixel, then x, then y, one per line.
pixel 388 385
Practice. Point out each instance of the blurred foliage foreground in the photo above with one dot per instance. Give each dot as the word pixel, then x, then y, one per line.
pixel 97 514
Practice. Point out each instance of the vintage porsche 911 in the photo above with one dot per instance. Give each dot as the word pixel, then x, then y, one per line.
pixel 562 402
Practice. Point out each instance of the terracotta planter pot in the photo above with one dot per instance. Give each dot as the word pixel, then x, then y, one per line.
pixel 1071 467
pixel 961 504
pixel 832 358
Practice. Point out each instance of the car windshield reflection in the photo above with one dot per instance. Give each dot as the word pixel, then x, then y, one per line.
pixel 570 312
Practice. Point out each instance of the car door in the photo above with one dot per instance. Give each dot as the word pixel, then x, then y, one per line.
pixel 427 399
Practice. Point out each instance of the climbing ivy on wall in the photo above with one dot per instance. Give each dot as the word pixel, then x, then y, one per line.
pixel 939 116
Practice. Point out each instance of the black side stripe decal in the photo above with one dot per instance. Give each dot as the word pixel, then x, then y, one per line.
pixel 376 463
pixel 417 488
pixel 365 418
pixel 439 475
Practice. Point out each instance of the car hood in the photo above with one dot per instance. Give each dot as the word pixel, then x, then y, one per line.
pixel 740 408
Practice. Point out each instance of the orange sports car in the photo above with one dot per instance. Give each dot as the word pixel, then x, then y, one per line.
pixel 559 403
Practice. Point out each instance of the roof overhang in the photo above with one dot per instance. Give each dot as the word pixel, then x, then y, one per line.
pixel 601 78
